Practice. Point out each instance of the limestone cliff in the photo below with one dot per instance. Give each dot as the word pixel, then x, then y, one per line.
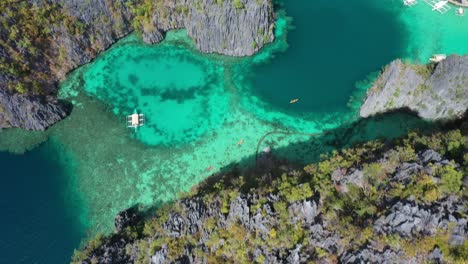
pixel 33 112
pixel 42 40
pixel 403 202
pixel 217 26
pixel 435 91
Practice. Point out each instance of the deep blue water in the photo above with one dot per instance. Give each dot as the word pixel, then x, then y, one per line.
pixel 36 226
pixel 332 46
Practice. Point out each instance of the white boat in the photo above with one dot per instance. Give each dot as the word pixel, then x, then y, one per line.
pixel 409 2
pixel 460 11
pixel 135 120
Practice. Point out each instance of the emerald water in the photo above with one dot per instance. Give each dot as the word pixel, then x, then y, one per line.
pixel 198 107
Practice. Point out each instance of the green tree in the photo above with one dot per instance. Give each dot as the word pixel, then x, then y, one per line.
pixel 451 179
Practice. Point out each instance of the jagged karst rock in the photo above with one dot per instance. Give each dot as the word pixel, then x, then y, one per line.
pixel 294 257
pixel 405 171
pixel 31 112
pixel 409 218
pixel 152 37
pixel 112 251
pixel 126 218
pixel 342 178
pixel 258 214
pixel 239 210
pixel 369 255
pixel 217 26
pixel 220 28
pixel 304 211
pixel 176 225
pixel 436 256
pixel 429 155
pixel 438 94
pixel 195 212
pixel 160 257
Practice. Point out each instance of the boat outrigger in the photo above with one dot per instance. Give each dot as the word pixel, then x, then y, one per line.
pixel 294 101
pixel 439 6
pixel 135 120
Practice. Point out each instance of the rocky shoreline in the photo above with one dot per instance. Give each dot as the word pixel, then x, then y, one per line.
pixel 79 30
pixel 434 91
pixel 404 202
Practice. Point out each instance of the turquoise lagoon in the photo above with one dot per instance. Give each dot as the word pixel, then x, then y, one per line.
pixel 198 107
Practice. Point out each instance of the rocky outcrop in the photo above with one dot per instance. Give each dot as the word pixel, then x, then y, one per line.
pixel 31 112
pixel 435 91
pixel 392 205
pixel 87 28
pixel 236 28
pixel 126 218
pixel 371 255
pixel 411 219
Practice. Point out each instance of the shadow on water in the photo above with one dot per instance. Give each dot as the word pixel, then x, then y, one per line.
pixel 383 127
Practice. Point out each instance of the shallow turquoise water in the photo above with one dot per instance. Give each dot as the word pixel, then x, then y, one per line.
pixel 199 107
pixel 181 94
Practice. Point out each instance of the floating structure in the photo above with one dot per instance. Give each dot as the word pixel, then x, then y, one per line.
pixel 438 57
pixel 294 101
pixel 460 11
pixel 135 120
pixel 409 2
pixel 440 6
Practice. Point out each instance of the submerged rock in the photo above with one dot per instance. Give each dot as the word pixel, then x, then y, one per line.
pixel 433 91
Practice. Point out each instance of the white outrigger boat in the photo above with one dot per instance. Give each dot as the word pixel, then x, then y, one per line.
pixel 439 6
pixel 135 120
pixel 460 11
pixel 409 2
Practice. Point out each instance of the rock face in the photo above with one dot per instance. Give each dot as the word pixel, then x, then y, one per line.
pixel 409 215
pixel 433 91
pixel 408 219
pixel 31 112
pixel 64 48
pixel 237 28
pixel 126 218
pixel 218 26
pixel 370 255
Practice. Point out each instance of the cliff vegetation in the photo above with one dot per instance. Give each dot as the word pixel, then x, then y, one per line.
pixel 399 202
